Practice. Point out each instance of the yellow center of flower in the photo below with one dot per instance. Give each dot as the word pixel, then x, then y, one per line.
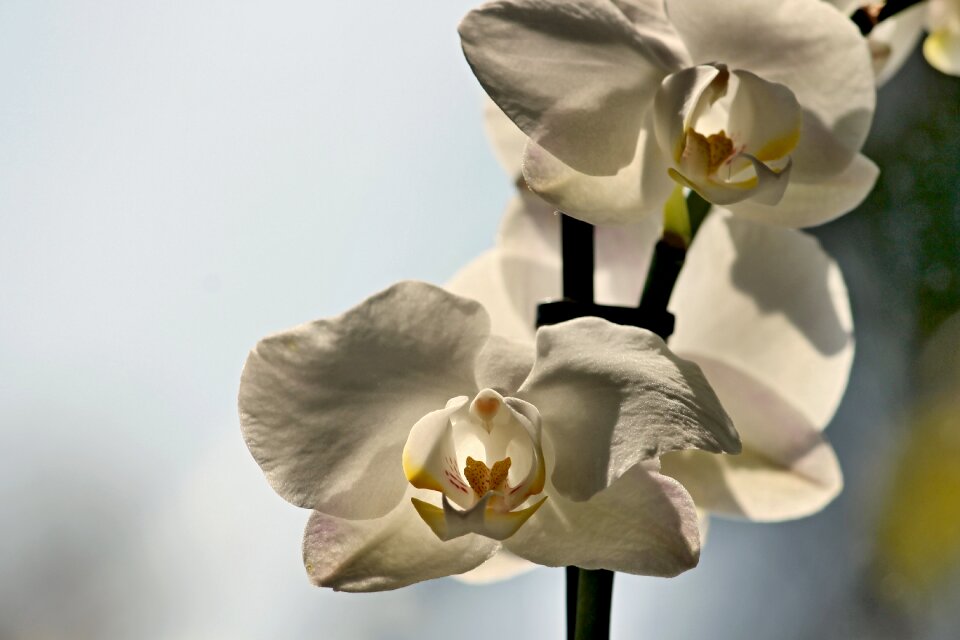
pixel 717 147
pixel 483 479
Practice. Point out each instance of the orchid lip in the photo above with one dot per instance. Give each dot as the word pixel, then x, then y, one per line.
pixel 482 455
pixel 729 133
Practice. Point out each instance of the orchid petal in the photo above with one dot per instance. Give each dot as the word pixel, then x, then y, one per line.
pixel 786 469
pixel 644 523
pixel 482 280
pixel 649 18
pixel 574 76
pixel 530 226
pixel 632 194
pixel 613 396
pixel 529 240
pixel 942 50
pixel 449 523
pixel 895 39
pixel 430 455
pixel 326 407
pixel 806 45
pixel 766 187
pixel 503 566
pixel 507 140
pixel 504 364
pixel 764 117
pixel 675 105
pixel 770 301
pixel 383 553
pixel 807 204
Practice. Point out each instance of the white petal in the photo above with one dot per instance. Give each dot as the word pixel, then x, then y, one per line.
pixel 676 104
pixel 483 281
pixel 530 230
pixel 649 18
pixel 807 204
pixel 530 226
pixel 767 187
pixel 623 258
pixel 502 566
pixel 612 396
pixel 786 469
pixel 898 37
pixel 389 552
pixel 507 140
pixel 806 45
pixel 574 76
pixel 764 117
pixel 430 456
pixel 769 301
pixel 525 270
pixel 942 50
pixel 326 407
pixel 644 523
pixel 635 192
pixel 504 364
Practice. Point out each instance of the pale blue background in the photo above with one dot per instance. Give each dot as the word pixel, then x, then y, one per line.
pixel 178 179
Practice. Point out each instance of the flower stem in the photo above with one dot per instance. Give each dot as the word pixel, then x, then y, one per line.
pixel 573 582
pixel 594 595
pixel 576 238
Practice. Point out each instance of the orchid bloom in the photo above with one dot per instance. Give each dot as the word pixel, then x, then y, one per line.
pixel 894 38
pixel 942 47
pixel 425 445
pixel 762 310
pixel 761 108
pixel 892 41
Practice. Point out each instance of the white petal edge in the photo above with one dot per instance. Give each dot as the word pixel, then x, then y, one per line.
pixel 613 396
pixel 808 204
pixel 384 553
pixel 786 470
pixel 644 523
pixel 326 407
pixel 769 301
pixel 503 566
pixel 574 76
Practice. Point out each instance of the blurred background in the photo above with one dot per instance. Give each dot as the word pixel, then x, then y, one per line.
pixel 178 179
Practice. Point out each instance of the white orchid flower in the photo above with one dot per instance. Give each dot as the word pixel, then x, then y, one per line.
pixel 425 445
pixel 942 47
pixel 892 41
pixel 762 108
pixel 763 311
pixel 894 38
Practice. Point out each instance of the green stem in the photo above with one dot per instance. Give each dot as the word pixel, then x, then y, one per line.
pixel 594 595
pixel 698 209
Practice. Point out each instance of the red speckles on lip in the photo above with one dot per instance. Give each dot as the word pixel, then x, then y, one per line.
pixel 455 481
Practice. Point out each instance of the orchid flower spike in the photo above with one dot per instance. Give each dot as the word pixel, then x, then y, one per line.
pixel 425 445
pixel 760 108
